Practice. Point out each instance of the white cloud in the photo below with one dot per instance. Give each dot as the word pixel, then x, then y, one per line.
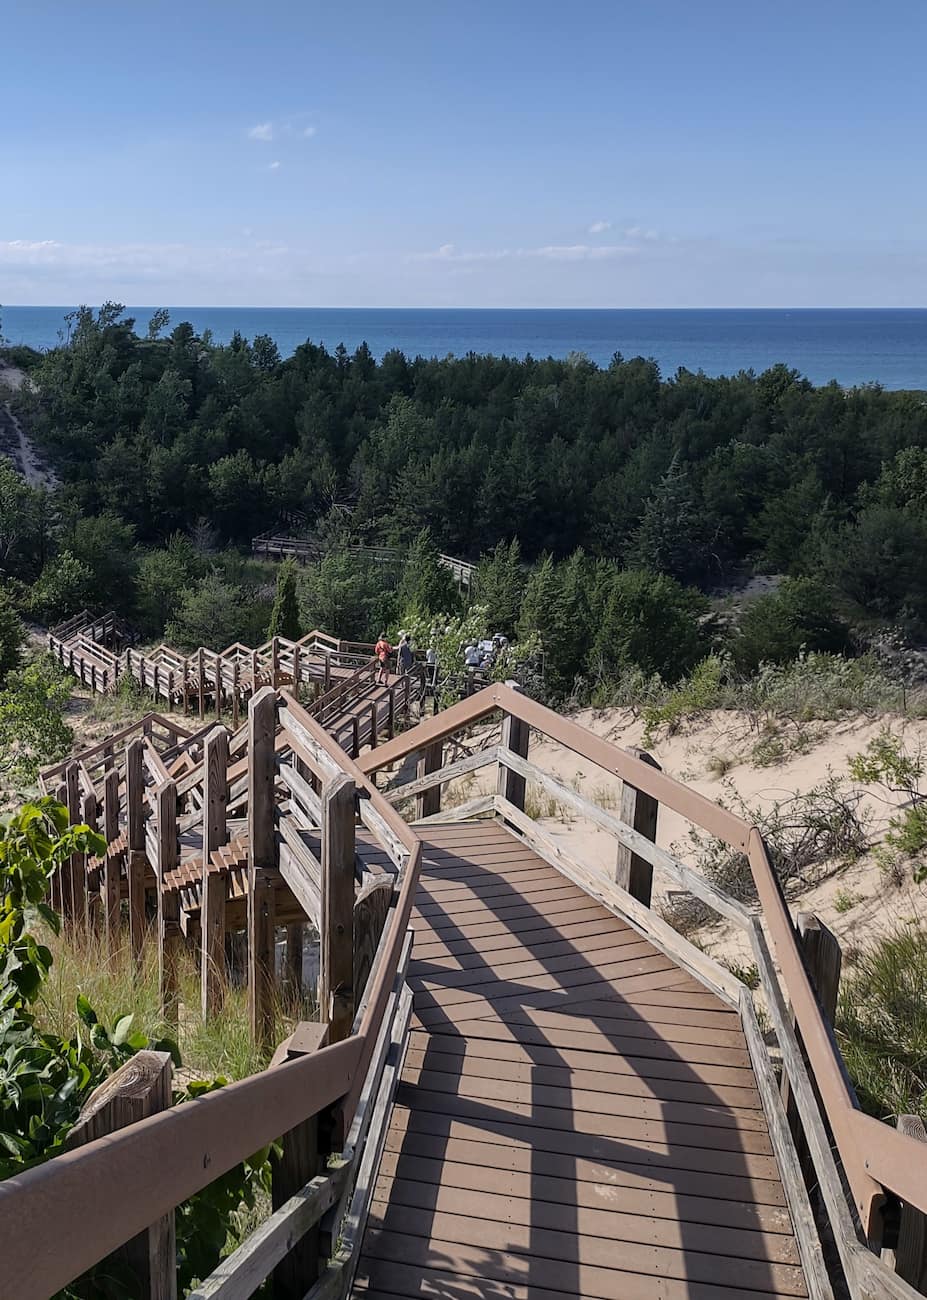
pixel 274 166
pixel 599 227
pixel 263 131
pixel 309 131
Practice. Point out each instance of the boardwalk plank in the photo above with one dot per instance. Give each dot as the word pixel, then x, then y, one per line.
pixel 577 1116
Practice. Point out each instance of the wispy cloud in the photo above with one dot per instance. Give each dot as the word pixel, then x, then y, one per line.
pixel 274 166
pixel 295 126
pixel 549 252
pixel 599 227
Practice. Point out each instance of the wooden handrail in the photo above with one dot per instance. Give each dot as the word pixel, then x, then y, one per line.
pixel 129 1179
pixel 857 1138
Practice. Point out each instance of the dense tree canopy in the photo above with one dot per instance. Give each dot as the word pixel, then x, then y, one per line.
pixel 601 500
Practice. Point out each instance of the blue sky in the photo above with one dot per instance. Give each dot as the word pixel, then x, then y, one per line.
pixel 759 153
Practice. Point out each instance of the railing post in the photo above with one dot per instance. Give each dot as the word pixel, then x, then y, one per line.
pixel 515 736
pixel 374 723
pixel 336 955
pixel 297 670
pixel 911 1250
pixel 391 712
pixel 135 843
pixel 201 683
pixel 89 815
pixel 262 858
pixel 214 883
pixel 429 801
pixel 236 688
pixel 111 873
pixel 186 687
pixel 76 869
pixel 328 668
pixel 639 811
pixel 820 949
pixel 275 662
pixel 301 1158
pixel 169 934
pixel 139 1088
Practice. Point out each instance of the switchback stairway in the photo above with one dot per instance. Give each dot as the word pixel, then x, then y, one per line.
pixel 523 1082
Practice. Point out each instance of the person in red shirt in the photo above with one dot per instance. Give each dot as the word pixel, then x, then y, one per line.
pixel 383 650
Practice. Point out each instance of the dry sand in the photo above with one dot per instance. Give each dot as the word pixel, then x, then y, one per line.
pixel 857 901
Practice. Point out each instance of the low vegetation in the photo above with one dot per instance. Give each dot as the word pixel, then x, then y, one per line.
pixel 882 1023
pixel 57 1046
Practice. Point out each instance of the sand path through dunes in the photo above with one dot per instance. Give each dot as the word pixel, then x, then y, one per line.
pixel 14 440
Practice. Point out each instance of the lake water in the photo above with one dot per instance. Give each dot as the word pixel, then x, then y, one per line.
pixel 854 346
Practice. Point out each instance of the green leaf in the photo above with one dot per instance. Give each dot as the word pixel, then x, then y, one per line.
pixel 121 1032
pixel 86 1011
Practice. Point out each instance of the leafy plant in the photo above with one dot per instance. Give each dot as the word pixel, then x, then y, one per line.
pixel 32 726
pixel 45 1078
pixel 887 763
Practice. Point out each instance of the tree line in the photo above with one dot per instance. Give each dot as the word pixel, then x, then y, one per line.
pixel 624 494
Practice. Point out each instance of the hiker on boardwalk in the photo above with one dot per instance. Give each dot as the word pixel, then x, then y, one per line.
pixel 404 655
pixel 383 650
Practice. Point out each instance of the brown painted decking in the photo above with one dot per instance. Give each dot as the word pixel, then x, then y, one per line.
pixel 577 1116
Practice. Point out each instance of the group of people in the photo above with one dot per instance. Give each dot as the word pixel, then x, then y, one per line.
pixel 481 655
pixel 404 657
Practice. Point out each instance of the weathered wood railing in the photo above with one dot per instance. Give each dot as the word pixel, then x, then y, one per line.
pixel 279 546
pixel 883 1167
pixel 326 1097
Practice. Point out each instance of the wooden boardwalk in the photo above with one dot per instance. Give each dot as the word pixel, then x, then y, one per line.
pixel 577 1116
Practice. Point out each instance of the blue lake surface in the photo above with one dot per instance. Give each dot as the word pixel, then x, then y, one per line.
pixel 854 346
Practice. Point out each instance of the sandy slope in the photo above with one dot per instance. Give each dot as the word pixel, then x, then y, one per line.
pixel 875 905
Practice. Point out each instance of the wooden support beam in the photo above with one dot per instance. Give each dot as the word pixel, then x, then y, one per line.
pixel 374 724
pixel 236 688
pixel 823 959
pixel 201 683
pixel 336 955
pixel 262 726
pixel 76 872
pixel 428 802
pixel 139 1088
pixel 639 811
pixel 911 1250
pixel 294 960
pixel 214 883
pixel 355 736
pixel 135 842
pixel 89 816
pixel 111 872
pixel 515 736
pixel 186 687
pixel 170 938
pixel 275 662
pixel 301 1158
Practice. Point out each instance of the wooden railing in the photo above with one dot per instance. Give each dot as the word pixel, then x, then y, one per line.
pixel 883 1167
pixel 327 1093
pixel 305 801
pixel 202 680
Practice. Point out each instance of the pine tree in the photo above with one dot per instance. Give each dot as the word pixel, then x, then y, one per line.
pixel 426 585
pixel 499 584
pixel 284 617
pixel 670 537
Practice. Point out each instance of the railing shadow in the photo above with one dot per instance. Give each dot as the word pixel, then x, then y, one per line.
pixel 674 1153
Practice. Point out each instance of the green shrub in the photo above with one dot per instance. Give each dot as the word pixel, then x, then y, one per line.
pixel 778 627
